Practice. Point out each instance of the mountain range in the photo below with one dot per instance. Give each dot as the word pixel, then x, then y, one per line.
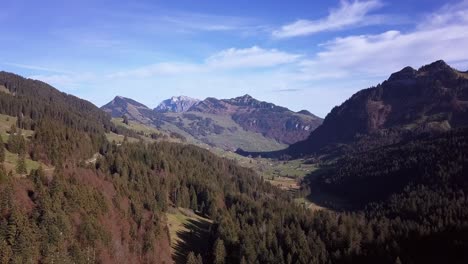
pixel 241 122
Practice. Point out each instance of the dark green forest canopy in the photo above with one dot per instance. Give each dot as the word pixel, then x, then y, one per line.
pixel 34 100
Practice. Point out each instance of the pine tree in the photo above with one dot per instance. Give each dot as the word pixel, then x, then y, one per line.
pixel 219 252
pixel 21 165
pixel 398 261
pixel 191 259
pixel 193 199
pixel 199 259
pixel 2 150
pixel 12 144
pixel 6 253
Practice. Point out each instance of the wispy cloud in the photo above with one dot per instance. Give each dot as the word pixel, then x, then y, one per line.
pixel 164 68
pixel 225 60
pixel 35 67
pixel 253 57
pixel 348 14
pixel 68 82
pixel 290 90
pixel 149 18
pixel 188 21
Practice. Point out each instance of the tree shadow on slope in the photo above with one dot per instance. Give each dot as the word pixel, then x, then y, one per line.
pixel 320 197
pixel 196 238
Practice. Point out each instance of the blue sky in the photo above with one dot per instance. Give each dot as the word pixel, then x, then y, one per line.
pixel 300 54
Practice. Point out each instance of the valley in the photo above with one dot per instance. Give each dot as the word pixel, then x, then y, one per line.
pixel 234 132
pixel 131 184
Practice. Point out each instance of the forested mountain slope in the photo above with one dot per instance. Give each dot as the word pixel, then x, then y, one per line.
pixel 430 100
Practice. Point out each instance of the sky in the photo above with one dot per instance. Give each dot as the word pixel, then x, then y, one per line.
pixel 302 54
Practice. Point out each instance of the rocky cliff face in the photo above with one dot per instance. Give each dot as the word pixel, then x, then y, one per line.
pixel 176 104
pixel 266 118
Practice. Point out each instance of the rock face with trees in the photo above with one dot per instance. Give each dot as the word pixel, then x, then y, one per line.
pixel 429 100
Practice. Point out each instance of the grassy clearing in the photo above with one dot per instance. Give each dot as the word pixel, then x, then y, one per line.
pixel 271 168
pixel 6 122
pixel 119 138
pixel 188 232
pixel 3 89
pixel 11 159
pixel 135 126
pixel 306 203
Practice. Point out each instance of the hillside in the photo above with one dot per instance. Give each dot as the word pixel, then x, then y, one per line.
pixel 436 162
pixel 121 106
pixel 411 102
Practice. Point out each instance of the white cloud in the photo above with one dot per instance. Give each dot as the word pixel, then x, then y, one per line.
pixel 348 14
pixel 367 56
pixel 448 14
pixel 250 58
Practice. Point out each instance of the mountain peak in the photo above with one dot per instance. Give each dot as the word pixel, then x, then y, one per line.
pixel 121 100
pixel 404 74
pixel 436 66
pixel 176 104
pixel 305 112
pixel 244 99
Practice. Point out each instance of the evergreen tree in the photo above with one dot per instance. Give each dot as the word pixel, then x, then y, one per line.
pixel 398 261
pixel 191 259
pixel 21 164
pixel 2 150
pixel 199 259
pixel 193 199
pixel 219 252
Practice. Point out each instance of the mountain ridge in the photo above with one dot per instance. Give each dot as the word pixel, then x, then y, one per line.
pixel 431 99
pixel 213 117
